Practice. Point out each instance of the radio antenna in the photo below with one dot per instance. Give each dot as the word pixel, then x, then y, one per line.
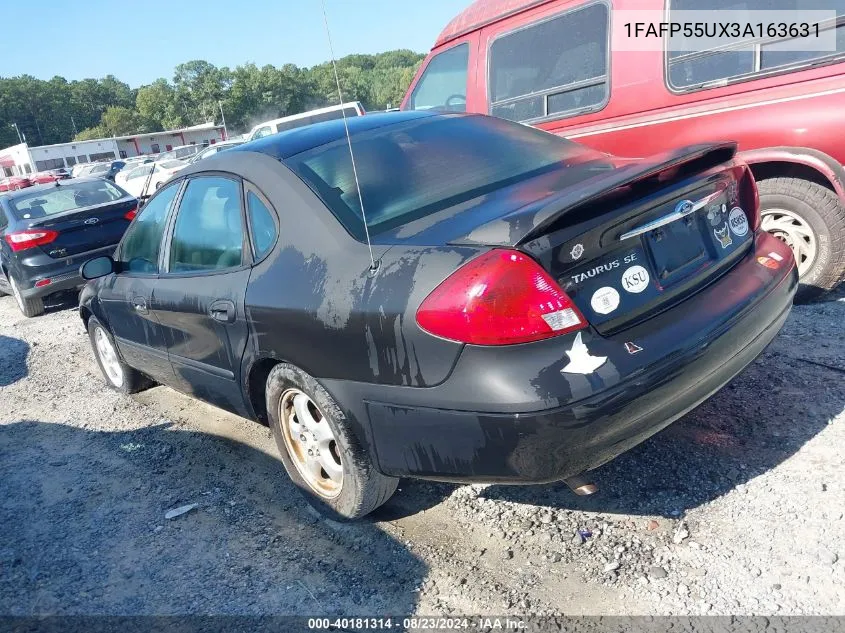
pixel 348 137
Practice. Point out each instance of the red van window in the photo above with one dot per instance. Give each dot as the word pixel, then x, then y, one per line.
pixel 554 67
pixel 443 85
pixel 697 70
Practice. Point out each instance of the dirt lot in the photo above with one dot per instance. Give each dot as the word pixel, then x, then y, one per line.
pixel 737 508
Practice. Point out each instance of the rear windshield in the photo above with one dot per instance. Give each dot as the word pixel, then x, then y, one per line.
pixel 413 169
pixel 63 198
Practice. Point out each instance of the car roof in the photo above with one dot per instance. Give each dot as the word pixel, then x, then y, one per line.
pixel 291 142
pixel 481 13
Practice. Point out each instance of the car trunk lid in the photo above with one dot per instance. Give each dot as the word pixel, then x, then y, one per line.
pixel 629 242
pixel 87 228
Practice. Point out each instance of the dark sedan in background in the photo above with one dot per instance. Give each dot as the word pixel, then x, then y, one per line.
pixel 528 310
pixel 47 231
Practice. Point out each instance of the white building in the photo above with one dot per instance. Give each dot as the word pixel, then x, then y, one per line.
pixel 21 159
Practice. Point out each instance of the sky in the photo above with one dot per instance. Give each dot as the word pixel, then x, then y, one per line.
pixel 139 41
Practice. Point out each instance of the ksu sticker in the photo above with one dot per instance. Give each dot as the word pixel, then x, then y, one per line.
pixel 738 222
pixel 605 300
pixel 635 279
pixel 580 359
pixel 724 236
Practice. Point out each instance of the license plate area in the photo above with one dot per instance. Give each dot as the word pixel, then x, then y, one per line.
pixel 677 249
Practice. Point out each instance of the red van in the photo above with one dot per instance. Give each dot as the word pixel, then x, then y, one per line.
pixel 549 63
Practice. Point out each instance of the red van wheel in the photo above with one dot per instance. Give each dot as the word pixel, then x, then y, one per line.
pixel 809 219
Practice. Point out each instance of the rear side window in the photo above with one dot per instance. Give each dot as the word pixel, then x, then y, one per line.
pixel 710 68
pixel 554 68
pixel 261 225
pixel 443 85
pixel 208 235
pixel 141 245
pixel 407 171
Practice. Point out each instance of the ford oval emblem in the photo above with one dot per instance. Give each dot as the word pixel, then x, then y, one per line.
pixel 91 221
pixel 684 207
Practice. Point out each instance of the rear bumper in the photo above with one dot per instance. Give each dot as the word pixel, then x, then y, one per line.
pixel 688 353
pixel 62 273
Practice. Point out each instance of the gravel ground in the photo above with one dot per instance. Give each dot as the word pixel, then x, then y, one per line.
pixel 738 508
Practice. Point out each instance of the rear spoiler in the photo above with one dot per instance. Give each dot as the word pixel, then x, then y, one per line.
pixel 533 220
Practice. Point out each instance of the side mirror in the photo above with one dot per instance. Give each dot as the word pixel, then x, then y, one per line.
pixel 96 268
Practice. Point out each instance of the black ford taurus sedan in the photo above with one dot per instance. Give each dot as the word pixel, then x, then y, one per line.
pixel 529 309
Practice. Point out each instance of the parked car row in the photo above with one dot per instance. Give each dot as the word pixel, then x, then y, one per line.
pixel 49 230
pixel 483 302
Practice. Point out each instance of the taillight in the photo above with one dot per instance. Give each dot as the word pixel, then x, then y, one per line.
pixel 500 298
pixel 22 240
pixel 130 215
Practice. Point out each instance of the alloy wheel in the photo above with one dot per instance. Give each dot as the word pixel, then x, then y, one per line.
pixel 108 357
pixel 311 443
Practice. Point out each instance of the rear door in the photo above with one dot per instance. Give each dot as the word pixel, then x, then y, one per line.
pixel 126 296
pixel 199 299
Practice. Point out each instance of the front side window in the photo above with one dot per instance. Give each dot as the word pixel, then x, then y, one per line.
pixel 443 85
pixel 261 225
pixel 208 235
pixel 140 248
pixel 261 133
pixel 691 70
pixel 557 67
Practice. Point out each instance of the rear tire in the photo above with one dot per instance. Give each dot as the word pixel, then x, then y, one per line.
pixel 29 307
pixel 358 488
pixel 811 220
pixel 119 376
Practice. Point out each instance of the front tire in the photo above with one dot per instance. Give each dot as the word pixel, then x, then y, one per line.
pixel 28 307
pixel 811 220
pixel 119 376
pixel 319 450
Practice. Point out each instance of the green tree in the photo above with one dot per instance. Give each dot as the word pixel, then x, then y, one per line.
pixel 120 121
pixel 57 110
pixel 87 134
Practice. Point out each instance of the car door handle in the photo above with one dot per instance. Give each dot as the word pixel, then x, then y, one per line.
pixel 139 304
pixel 222 310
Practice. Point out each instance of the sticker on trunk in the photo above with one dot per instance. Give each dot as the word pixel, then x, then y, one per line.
pixel 632 348
pixel 723 235
pixel 580 359
pixel 715 212
pixel 605 300
pixel 635 279
pixel 738 222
